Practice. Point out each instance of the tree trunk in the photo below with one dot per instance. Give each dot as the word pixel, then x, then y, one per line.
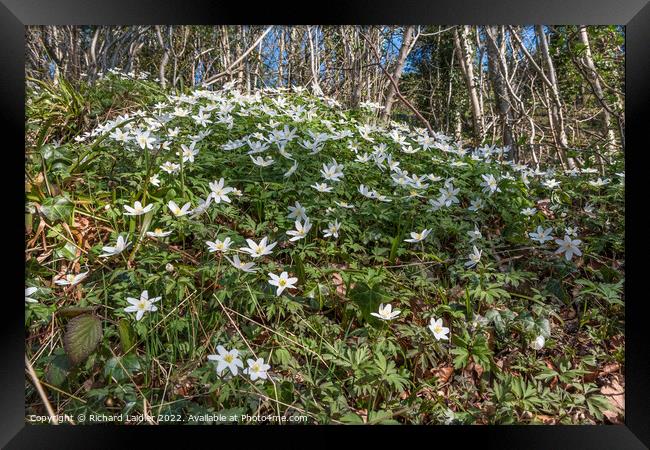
pixel 597 88
pixel 467 68
pixel 407 40
pixel 501 95
pixel 557 116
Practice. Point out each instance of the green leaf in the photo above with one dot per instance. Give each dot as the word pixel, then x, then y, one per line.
pixel 127 335
pixel 57 208
pixel 82 335
pixel 57 371
pixel 120 368
pixel 352 419
pixel 368 299
pixel 381 418
pixel 68 251
pixel 300 268
pixel 73 311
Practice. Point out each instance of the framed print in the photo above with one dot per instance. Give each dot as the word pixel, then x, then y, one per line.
pixel 407 214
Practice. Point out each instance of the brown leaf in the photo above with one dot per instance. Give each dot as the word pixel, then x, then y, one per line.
pixel 546 420
pixel 443 373
pixel 542 205
pixel 610 368
pixel 339 283
pixel 615 393
pixel 478 370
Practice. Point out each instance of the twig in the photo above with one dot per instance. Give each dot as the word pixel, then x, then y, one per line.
pixel 397 91
pixel 214 78
pixel 41 391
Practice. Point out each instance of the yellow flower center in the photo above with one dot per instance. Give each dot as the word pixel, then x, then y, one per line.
pixel 228 358
pixel 282 282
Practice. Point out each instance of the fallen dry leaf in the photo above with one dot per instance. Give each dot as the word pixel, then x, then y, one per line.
pixel 339 283
pixel 615 393
pixel 610 368
pixel 443 373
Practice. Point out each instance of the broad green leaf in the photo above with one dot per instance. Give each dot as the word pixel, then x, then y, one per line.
pixel 127 335
pixel 57 208
pixel 82 335
pixel 352 419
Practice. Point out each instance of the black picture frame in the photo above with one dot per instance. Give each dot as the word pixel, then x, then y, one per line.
pixel 634 14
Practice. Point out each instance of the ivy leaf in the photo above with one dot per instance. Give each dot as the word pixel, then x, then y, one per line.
pixel 120 368
pixel 82 336
pixel 57 208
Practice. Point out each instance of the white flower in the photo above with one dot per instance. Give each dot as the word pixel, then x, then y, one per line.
pixel 257 250
pixel 541 235
pixel 119 135
pixel 155 180
pixel 262 162
pixel 363 190
pixel 219 246
pixel 137 209
pixel 158 233
pixel 448 194
pixel 144 140
pixel 257 369
pixel 538 343
pixel 219 192
pixel 201 207
pixel 170 167
pixel 300 231
pixel 71 279
pixel 333 172
pixel 417 237
pixel 490 184
pixel 238 264
pixel 569 247
pixel 282 282
pixel 552 183
pixel 474 257
pixel 599 182
pixel 476 204
pixel 189 153
pixel 439 332
pixel 227 360
pixel 297 212
pixel 571 231
pixel 291 170
pixel 202 119
pixel 28 294
pixel 363 158
pixel 141 306
pixel 120 246
pixel 322 187
pixel 386 312
pixel 178 212
pixel 475 234
pixel 332 229
pixel 345 205
pixel 529 211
